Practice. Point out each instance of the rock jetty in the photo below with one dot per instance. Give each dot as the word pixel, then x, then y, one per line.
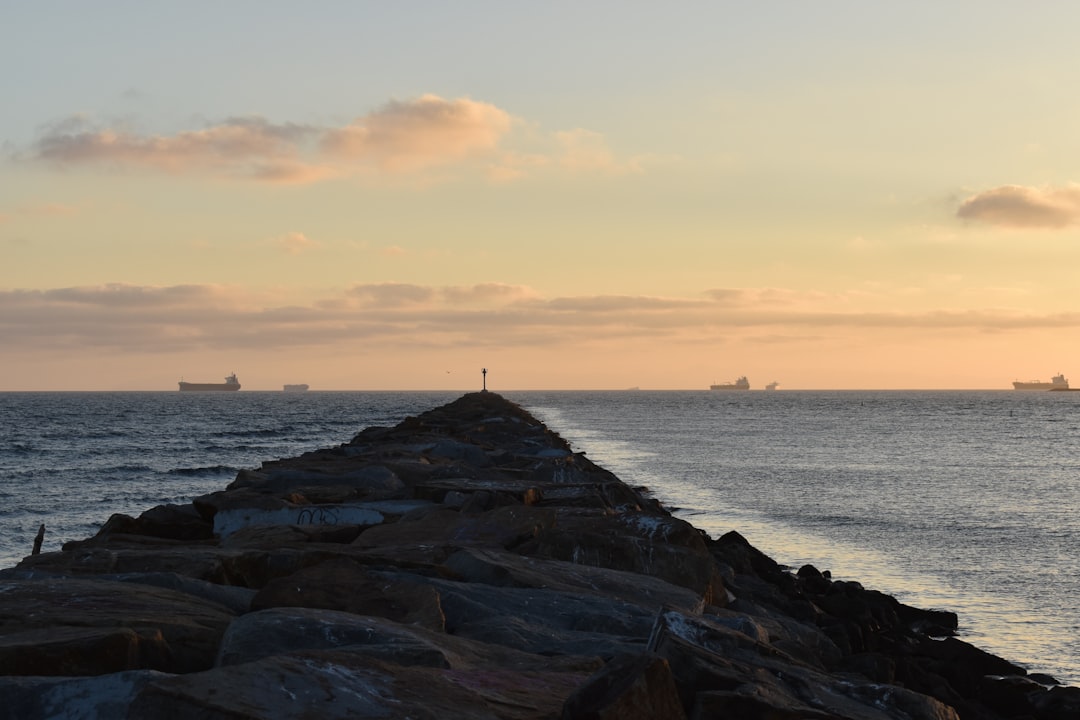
pixel 466 563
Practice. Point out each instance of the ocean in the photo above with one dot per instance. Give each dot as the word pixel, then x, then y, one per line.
pixel 961 500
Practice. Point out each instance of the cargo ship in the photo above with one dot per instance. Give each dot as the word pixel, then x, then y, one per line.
pixel 299 387
pixel 230 384
pixel 1058 382
pixel 741 384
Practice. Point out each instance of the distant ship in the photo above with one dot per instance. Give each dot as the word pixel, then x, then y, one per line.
pixel 1058 382
pixel 772 386
pixel 300 387
pixel 231 383
pixel 741 384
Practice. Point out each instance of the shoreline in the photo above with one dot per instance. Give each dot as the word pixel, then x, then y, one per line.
pixel 496 570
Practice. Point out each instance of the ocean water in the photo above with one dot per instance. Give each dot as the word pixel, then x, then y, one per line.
pixel 966 501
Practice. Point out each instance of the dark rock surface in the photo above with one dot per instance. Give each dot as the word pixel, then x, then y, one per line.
pixel 467 564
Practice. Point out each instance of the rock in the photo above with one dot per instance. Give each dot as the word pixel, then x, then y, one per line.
pixel 656 545
pixel 226 522
pixel 505 569
pixel 502 527
pixel 629 687
pixel 350 587
pixel 102 697
pixel 289 630
pixel 467 563
pixel 98 626
pixel 335 684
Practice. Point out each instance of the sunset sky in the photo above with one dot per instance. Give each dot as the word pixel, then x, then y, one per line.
pixel 586 195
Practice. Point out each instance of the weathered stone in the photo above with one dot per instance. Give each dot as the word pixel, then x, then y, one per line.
pixel 331 685
pixel 236 599
pixel 189 628
pixel 504 571
pixel 502 527
pixel 275 536
pixel 348 586
pixel 172 522
pixel 292 629
pixel 240 498
pixel 102 697
pixel 67 650
pixel 494 567
pixel 289 630
pixel 541 621
pixel 227 522
pixel 656 545
pixel 627 688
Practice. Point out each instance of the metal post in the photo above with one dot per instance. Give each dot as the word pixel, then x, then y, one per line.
pixel 485 378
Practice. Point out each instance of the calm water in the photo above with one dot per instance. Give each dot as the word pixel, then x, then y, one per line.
pixel 959 500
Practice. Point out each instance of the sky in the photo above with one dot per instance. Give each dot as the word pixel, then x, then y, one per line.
pixel 573 195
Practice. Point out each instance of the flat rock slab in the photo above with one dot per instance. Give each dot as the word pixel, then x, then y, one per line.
pixel 285 630
pixel 345 585
pixel 332 685
pixel 501 527
pixel 501 568
pixel 169 630
pixel 103 697
pixel 226 522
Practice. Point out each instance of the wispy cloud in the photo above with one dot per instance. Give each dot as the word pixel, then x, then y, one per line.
pixel 404 137
pixel 1018 206
pixel 296 243
pixel 427 131
pixel 244 146
pixel 39 210
pixel 586 151
pixel 130 319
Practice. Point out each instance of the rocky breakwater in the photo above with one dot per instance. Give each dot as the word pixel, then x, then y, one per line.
pixel 467 564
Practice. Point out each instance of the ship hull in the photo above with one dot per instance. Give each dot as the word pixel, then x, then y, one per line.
pixel 1058 382
pixel 302 387
pixel 741 384
pixel 209 387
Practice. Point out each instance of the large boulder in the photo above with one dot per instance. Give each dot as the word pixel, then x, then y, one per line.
pixel 657 545
pixel 339 684
pixel 88 627
pixel 345 585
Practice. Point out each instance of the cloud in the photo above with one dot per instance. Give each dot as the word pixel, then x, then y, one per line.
pixel 404 137
pixel 41 210
pixel 296 243
pixel 401 294
pixel 587 151
pixel 131 319
pixel 391 294
pixel 427 131
pixel 1018 206
pixel 243 146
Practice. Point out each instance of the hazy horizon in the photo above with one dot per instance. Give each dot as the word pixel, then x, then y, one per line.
pixel 577 196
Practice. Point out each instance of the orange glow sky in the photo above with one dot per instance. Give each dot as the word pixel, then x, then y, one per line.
pixel 368 195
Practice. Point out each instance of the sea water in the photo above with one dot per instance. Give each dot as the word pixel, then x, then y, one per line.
pixel 965 501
